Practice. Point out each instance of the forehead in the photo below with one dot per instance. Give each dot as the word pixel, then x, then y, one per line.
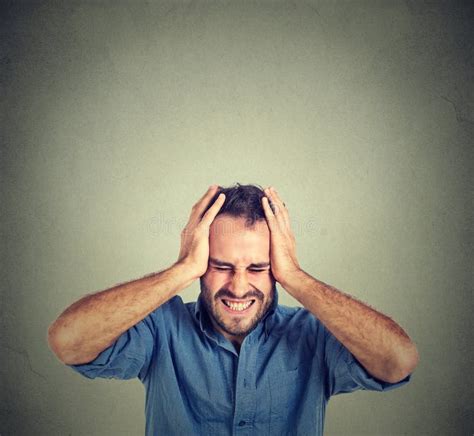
pixel 231 241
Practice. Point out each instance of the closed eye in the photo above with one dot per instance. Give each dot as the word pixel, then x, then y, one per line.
pixel 252 269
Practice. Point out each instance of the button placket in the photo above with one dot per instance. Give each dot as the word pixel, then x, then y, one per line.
pixel 245 390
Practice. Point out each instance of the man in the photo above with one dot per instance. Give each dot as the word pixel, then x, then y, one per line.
pixel 235 361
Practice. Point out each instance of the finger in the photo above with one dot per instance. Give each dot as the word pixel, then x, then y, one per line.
pixel 211 213
pixel 275 197
pixel 204 200
pixel 201 204
pixel 282 213
pixel 270 216
pixel 284 209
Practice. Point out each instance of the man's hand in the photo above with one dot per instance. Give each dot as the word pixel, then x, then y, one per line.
pixel 283 259
pixel 194 250
pixel 378 343
pixel 94 322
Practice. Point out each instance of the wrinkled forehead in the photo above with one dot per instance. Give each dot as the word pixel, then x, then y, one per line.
pixel 229 234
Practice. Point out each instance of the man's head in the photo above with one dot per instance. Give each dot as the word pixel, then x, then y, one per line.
pixel 238 273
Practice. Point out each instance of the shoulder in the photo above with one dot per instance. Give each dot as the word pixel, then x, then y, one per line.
pixel 173 317
pixel 294 314
pixel 294 319
pixel 174 308
pixel 174 303
pixel 298 331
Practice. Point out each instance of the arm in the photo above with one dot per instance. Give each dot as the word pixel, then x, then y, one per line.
pixel 377 342
pixel 93 323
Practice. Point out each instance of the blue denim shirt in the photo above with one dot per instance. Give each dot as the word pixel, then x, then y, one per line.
pixel 197 383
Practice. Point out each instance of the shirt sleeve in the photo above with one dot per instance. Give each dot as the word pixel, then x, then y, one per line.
pixel 346 374
pixel 129 356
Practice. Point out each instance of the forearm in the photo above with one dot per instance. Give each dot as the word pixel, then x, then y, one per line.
pixel 378 343
pixel 95 321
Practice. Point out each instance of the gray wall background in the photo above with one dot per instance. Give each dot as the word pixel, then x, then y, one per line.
pixel 116 116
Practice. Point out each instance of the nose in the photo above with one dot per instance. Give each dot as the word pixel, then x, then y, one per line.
pixel 239 285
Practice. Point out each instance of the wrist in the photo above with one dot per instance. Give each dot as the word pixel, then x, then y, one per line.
pixel 186 270
pixel 291 281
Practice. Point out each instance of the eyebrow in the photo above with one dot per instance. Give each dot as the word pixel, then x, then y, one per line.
pixel 252 265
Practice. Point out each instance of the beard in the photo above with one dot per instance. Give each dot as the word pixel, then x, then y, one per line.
pixel 236 326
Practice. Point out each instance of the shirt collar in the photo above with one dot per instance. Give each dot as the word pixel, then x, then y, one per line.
pixel 201 315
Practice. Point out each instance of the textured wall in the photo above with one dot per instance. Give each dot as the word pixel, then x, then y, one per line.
pixel 116 116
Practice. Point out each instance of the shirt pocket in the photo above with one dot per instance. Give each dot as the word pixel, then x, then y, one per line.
pixel 283 388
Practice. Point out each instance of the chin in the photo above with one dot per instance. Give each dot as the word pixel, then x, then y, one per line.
pixel 233 325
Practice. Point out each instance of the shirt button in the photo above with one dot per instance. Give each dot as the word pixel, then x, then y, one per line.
pixel 241 423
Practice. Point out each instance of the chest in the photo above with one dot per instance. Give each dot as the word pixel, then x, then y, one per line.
pixel 265 384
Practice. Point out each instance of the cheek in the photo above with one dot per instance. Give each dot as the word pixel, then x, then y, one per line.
pixel 215 279
pixel 264 284
pixel 214 282
pixel 265 277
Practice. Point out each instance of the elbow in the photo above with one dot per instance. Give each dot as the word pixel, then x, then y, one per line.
pixel 68 352
pixel 59 342
pixel 407 361
pixel 410 359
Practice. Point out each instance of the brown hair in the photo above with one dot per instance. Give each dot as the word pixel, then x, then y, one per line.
pixel 241 201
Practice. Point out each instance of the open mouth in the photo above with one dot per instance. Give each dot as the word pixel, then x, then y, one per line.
pixel 237 306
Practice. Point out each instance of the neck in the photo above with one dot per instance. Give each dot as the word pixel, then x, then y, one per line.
pixel 236 340
pixel 237 345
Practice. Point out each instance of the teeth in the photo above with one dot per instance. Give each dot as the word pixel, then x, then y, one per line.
pixel 237 306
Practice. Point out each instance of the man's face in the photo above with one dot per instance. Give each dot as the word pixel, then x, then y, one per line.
pixel 238 287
